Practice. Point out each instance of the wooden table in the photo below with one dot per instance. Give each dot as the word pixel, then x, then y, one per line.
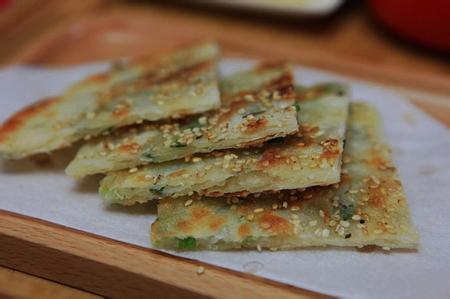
pixel 58 33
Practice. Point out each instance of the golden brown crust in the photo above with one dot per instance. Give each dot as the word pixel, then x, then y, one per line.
pixel 255 125
pixel 271 157
pixel 307 158
pixel 151 79
pixel 180 75
pixel 231 110
pixel 128 147
pixel 275 224
pixel 331 149
pixel 244 230
pixel 284 86
pixel 368 206
pixel 17 121
pixel 96 79
pixel 177 83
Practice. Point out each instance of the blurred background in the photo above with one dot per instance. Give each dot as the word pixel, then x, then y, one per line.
pixel 404 44
pixel 398 34
pixel 401 43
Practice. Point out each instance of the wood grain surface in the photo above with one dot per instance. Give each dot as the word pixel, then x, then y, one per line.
pixel 57 33
pixel 117 269
pixel 15 284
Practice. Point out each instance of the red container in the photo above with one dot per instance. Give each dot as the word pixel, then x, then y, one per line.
pixel 424 21
pixel 4 3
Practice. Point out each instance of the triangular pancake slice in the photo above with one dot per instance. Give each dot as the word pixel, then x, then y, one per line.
pixel 368 207
pixel 309 158
pixel 175 83
pixel 257 105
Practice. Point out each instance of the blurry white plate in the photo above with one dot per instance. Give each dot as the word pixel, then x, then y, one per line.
pixel 292 7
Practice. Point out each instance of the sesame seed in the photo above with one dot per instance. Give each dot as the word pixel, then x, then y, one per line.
pixel 258 210
pixel 230 156
pixel 274 206
pixel 110 146
pixel 295 208
pixel 276 96
pixel 90 115
pixel 258 247
pixel 249 98
pixel 148 177
pixel 196 159
pixel 266 225
pixel 356 217
pixel 344 223
pixel 313 223
pixel 200 270
pixel 375 180
pixel 321 213
pixel 250 217
pixel 386 248
pixel 133 170
pixel 188 202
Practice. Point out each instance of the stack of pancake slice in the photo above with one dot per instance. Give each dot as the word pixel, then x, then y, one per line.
pixel 245 161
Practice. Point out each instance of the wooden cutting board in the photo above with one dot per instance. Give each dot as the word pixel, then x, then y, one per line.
pixel 65 32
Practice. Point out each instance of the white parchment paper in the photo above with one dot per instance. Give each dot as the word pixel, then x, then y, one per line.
pixel 421 148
